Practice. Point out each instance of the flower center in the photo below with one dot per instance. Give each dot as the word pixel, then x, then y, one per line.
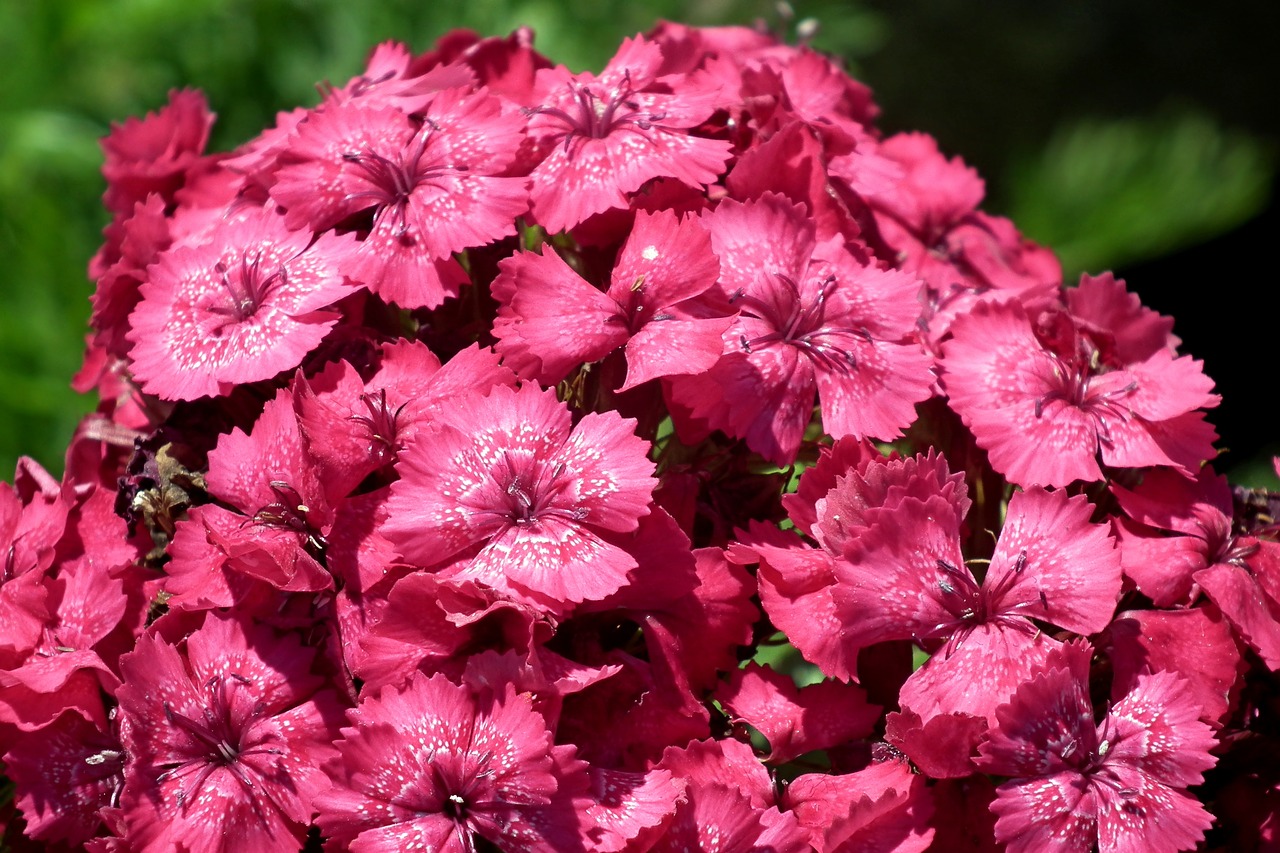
pixel 972 604
pixel 1074 381
pixel 289 512
pixel 395 180
pixel 595 116
pixel 383 425
pixel 532 498
pixel 803 325
pixel 216 741
pixel 246 288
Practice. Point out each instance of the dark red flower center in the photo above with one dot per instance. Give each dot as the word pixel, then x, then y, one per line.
pixel 394 180
pixel 802 324
pixel 246 288
pixel 594 115
pixel 214 741
pixel 289 512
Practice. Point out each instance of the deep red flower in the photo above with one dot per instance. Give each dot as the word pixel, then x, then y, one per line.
pixel 224 740
pixel 1120 784
pixel 153 154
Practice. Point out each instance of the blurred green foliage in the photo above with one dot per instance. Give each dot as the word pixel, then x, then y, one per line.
pixel 1100 191
pixel 1129 189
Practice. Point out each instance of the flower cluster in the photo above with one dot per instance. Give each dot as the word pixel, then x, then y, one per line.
pixel 497 458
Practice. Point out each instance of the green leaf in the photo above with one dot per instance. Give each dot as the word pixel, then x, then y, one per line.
pixel 1107 193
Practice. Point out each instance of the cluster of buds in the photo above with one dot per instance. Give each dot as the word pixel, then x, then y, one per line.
pixel 497 458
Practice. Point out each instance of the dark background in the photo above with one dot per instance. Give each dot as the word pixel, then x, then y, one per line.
pixel 1134 136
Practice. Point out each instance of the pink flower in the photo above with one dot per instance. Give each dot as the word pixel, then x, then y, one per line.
pixel 1182 540
pixel 796 720
pixel 1120 784
pixel 905 577
pixel 64 775
pixel 277 530
pixel 437 766
pixel 930 219
pixel 433 187
pixel 730 804
pixel 225 741
pixel 354 428
pixel 241 308
pixel 393 76
pixel 608 135
pixel 551 320
pixel 883 807
pixel 521 499
pixel 1047 398
pixel 814 321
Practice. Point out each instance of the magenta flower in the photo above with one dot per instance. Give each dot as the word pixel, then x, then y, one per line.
pixel 814 322
pixel 607 136
pixel 433 187
pixel 241 308
pixel 224 741
pixel 1120 784
pixel 1182 541
pixel 796 720
pixel 929 217
pixel 730 803
pixel 64 774
pixel 550 319
pixel 905 578
pixel 282 510
pixel 883 807
pixel 437 766
pixel 353 428
pixel 1047 397
pixel 521 499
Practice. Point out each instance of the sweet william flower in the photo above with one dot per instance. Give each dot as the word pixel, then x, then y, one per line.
pixel 814 322
pixel 1179 539
pixel 607 136
pixel 155 154
pixel 906 578
pixel 224 740
pixel 1049 396
pixel 438 766
pixel 550 319
pixel 1120 783
pixel 433 187
pixel 64 774
pixel 240 308
pixel 929 218
pixel 505 490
